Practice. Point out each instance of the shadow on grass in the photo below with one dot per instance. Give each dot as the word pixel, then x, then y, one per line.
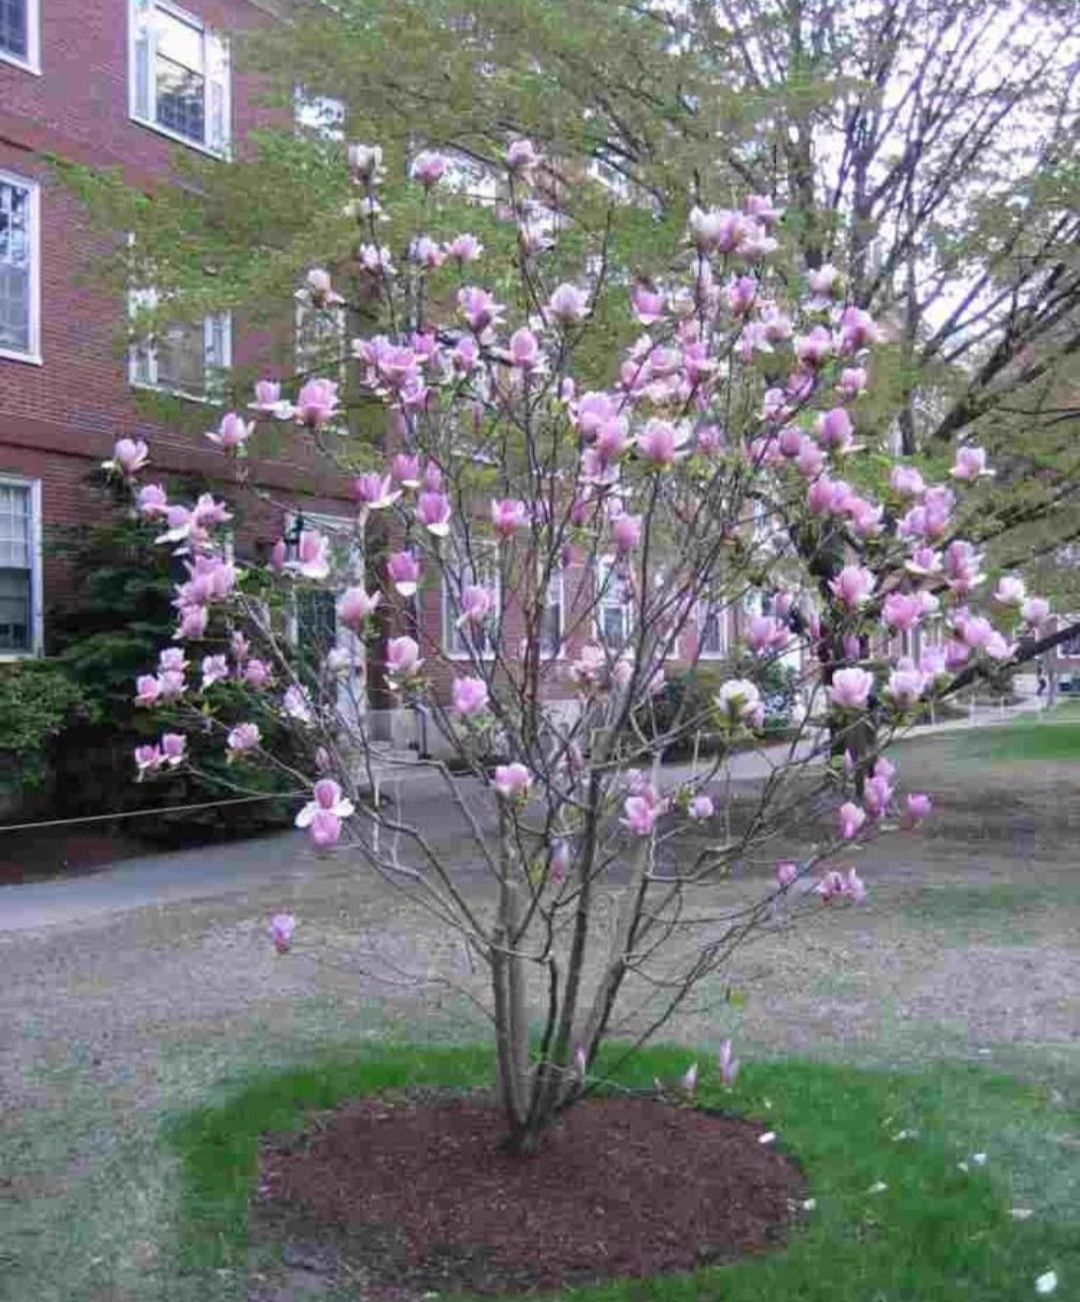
pixel 935 1232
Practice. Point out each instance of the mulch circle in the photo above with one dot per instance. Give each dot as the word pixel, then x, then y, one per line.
pixel 417 1196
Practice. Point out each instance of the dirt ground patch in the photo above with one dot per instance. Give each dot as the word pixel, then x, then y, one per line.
pixel 419 1196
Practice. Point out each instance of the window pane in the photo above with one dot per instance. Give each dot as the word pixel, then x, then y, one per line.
pixel 15 269
pixel 316 623
pixel 551 617
pixel 14 24
pixel 179 42
pixel 15 610
pixel 181 359
pixel 180 100
pixel 14 526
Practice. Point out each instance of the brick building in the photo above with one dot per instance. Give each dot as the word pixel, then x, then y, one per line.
pixel 119 83
pixel 125 83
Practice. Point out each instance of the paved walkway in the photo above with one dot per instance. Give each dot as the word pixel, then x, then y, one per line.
pixel 161 879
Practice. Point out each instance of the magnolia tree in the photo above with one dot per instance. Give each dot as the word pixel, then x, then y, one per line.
pixel 712 470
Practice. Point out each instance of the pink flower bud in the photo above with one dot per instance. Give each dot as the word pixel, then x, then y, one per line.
pixel 282 926
pixel 469 697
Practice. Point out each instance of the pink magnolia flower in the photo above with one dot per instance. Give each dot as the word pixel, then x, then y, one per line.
pixel 850 689
pixel 701 808
pixel 525 350
pixel 611 441
pixel 428 168
pixel 512 781
pixel 374 491
pixel 193 622
pixel 433 511
pixel 405 470
pixel 469 697
pixel 129 456
pixel 641 815
pixel 403 569
pixel 214 670
pixel 809 461
pixel 626 532
pixel 765 634
pixel 522 158
pixel 709 440
pixel 148 759
pixel 739 701
pixel 591 411
pixel 790 441
pixel 853 381
pixel 477 603
pixel 877 793
pixel 834 430
pixel 463 249
pixel 312 555
pixel 902 611
pixel 815 348
pixel 233 432
pixel 728 1065
pixel 717 230
pixel 919 807
pixel 905 686
pixel 970 464
pixel 907 481
pixel 151 501
pixel 317 403
pixel 688 1080
pixel 479 309
pixel 559 861
pixel 282 926
pixel 567 304
pixel 823 280
pixel 322 816
pixel 244 737
pixel 268 399
pixel 658 442
pixel 173 748
pixel 1034 611
pixel 147 690
pixel 858 330
pixel 1010 590
pixel 355 605
pixel 786 874
pixel 402 657
pixel 851 818
pixel 741 293
pixel 508 515
pixel 852 586
pixel 296 704
pixel 853 887
pixel 318 289
pixel 647 305
pixel 278 556
pixel 257 673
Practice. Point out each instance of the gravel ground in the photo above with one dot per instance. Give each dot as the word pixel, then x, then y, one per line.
pixel 967 949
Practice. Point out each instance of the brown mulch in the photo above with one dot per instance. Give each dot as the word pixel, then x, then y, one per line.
pixel 419 1196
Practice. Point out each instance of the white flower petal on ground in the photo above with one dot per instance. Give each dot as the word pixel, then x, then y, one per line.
pixel 767 1138
pixel 1021 1213
pixel 809 1204
pixel 979 1159
pixel 879 1186
pixel 1046 1284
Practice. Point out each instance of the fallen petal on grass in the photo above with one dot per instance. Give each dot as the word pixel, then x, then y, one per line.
pixel 767 1137
pixel 1021 1213
pixel 1046 1284
pixel 879 1186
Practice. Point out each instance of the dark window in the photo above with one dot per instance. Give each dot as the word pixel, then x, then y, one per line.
pixel 15 28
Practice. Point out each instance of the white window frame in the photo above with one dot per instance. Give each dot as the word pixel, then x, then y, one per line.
pixel 32 62
pixel 33 356
pixel 210 42
pixel 558 651
pixel 148 298
pixel 449 618
pixel 305 358
pixel 37 604
pixel 704 606
pixel 604 566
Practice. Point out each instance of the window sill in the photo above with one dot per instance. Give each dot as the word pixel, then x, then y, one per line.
pixel 169 134
pixel 205 399
pixel 29 359
pixel 24 65
pixel 10 657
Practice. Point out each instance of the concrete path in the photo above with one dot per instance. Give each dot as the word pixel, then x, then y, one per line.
pixel 160 879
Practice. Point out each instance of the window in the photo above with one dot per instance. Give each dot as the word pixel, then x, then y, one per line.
pixel 322 116
pixel 20 567
pixel 20 267
pixel 19 39
pixel 551 617
pixel 179 75
pixel 1070 648
pixel 471 638
pixel 320 339
pixel 712 628
pixel 614 606
pixel 181 358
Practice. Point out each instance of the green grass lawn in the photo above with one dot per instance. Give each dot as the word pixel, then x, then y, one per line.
pixel 933 1234
pixel 1056 738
